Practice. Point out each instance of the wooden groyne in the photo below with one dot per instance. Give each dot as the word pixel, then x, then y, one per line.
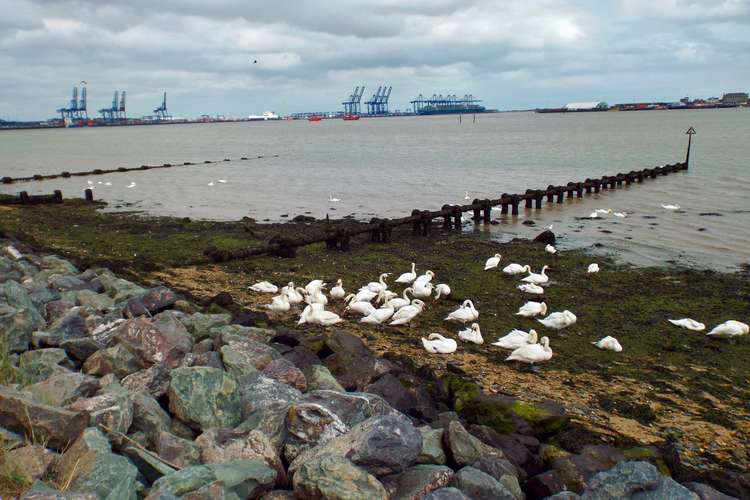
pixel 100 171
pixel 380 230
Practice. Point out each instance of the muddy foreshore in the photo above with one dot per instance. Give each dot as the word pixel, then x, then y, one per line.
pixel 679 398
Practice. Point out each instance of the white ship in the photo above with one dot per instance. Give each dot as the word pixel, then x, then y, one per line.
pixel 267 115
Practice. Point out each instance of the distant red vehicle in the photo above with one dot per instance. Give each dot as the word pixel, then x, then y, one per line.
pixel 350 116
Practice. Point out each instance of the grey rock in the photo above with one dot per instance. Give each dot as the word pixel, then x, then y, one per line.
pixel 352 407
pixel 15 296
pixel 54 264
pixel 176 450
pixel 150 302
pixel 245 478
pixel 63 388
pixel 235 362
pixel 319 378
pixel 149 465
pixel 30 462
pixel 202 347
pixel 225 334
pixel 309 424
pixel 64 283
pixel 227 445
pixel 50 356
pixel 464 448
pixel 111 409
pixel 432 446
pixel 213 360
pixel 502 471
pixel 199 325
pixel 477 484
pixel 543 485
pixel 705 492
pixel 353 365
pixel 117 359
pixel 148 416
pixel 258 392
pixel 576 470
pixel 154 380
pixel 333 477
pixel 81 348
pixel 415 482
pixel 257 354
pixel 55 309
pixel 449 493
pixel 97 301
pixel 637 481
pixel 118 288
pixel 18 324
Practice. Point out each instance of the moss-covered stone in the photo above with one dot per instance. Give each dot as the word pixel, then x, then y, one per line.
pixel 204 396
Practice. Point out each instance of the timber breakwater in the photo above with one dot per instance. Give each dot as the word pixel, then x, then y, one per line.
pixel 116 390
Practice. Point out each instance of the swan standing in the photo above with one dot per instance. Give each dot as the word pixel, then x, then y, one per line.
pixel 359 306
pixel 559 320
pixel 513 269
pixel 537 279
pixel 688 323
pixel 442 290
pixel 422 290
pixel 313 286
pixel 408 278
pixel 531 288
pixel 531 309
pixel 406 314
pixel 436 343
pixel 264 287
pixel 364 295
pixel 532 353
pixel 492 262
pixel 729 329
pixel 472 334
pixel 608 344
pixel 516 339
pixel 377 286
pixel 424 278
pixel 338 291
pixel 399 302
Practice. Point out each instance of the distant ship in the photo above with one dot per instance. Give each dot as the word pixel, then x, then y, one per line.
pixel 314 118
pixel 350 116
pixel 267 115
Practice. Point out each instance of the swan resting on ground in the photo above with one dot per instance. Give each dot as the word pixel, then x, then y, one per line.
pixel 463 314
pixel 436 343
pixel 492 262
pixel 406 314
pixel 316 314
pixel 608 344
pixel 442 290
pixel 688 323
pixel 514 268
pixel 379 316
pixel 264 287
pixel 279 303
pixel 516 339
pixel 472 334
pixel 593 268
pixel 338 291
pixel 559 320
pixel 531 309
pixel 537 279
pixel 532 353
pixel 550 249
pixel 729 329
pixel 531 288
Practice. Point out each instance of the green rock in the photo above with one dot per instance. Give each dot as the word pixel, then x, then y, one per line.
pixel 244 478
pixel 199 325
pixel 17 325
pixel 460 390
pixel 51 356
pixel 61 389
pixel 492 411
pixel 148 416
pixel 150 466
pixel 97 301
pixel 89 465
pixel 319 378
pixel 432 446
pixel 464 448
pixel 185 480
pixel 236 363
pixel 57 265
pixel 118 288
pixel 546 418
pixel 257 334
pixel 204 396
pixel 15 296
pixel 333 477
pixel 117 359
pixel 650 454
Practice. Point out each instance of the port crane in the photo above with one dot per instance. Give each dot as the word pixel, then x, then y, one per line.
pixel 352 104
pixel 161 111
pixel 378 103
pixel 77 108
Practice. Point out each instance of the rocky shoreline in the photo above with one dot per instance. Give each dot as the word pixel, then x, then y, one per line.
pixel 112 390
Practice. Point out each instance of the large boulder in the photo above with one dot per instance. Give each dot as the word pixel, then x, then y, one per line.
pixel 243 478
pixel 516 448
pixel 503 413
pixel 259 394
pixel 149 465
pixel 162 341
pixel 118 360
pixel 406 394
pixel 113 410
pixel 331 477
pixel 204 396
pixel 432 446
pixel 51 356
pixel 154 380
pixel 465 449
pixel 502 471
pixel 352 363
pixel 705 492
pixel 17 326
pixel 636 480
pixel 449 493
pixel 224 334
pixel 150 302
pixel 96 301
pixel 176 450
pixel 351 407
pixel 118 288
pixel 89 465
pixel 148 416
pixel 284 371
pixel 199 325
pixel 82 348
pixel 15 296
pixel 309 424
pixel 477 484
pixel 576 470
pixel 222 446
pixel 319 378
pixel 255 353
pixel 415 482
pixel 544 485
pixel 63 388
pixel 233 360
pixel 30 461
pixel 381 445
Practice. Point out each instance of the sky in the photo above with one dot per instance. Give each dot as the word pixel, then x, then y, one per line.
pixel 311 55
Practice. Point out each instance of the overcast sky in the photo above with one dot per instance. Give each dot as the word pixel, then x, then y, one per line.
pixel 311 55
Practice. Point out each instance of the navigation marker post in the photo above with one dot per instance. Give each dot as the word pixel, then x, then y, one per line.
pixel 690 132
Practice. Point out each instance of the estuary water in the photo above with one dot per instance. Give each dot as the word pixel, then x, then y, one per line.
pixel 389 166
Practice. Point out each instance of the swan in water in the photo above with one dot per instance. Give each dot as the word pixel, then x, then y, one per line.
pixel 531 288
pixel 398 303
pixel 466 196
pixel 621 215
pixel 359 306
pixel 223 181
pixel 532 353
pixel 608 344
pixel 338 292
pixel 531 309
pixel 513 269
pixel 537 279
pixel 472 334
pixel 131 185
pixel 688 323
pixel 408 278
pixel 516 338
pixel 463 314
pixel 492 262
pixel 379 316
pixel 559 320
pixel 550 249
pixel 442 290
pixel 593 268
pixel 671 207
pixel 436 343
pixel 603 211
pixel 377 286
pixel 594 215
pixel 729 329
pixel 211 183
pixel 279 303
pixel 407 313
pixel 264 287
pixel 107 183
pixel 422 290
pixel 333 199
pixel 424 278
pixel 316 314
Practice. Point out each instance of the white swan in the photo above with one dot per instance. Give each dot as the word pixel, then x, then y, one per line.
pixel 442 290
pixel 513 269
pixel 131 185
pixel 107 183
pixel 264 287
pixel 604 211
pixel 338 291
pixel 472 334
pixel 516 339
pixel 671 207
pixel 422 290
pixel 279 303
pixel 531 309
pixel 437 344
pixel 608 344
pixel 594 215
pixel 316 314
pixel 385 296
pixel 408 278
pixel 729 329
pixel 531 288
pixel 211 183
pixel 364 296
pixel 313 286
pixel 593 268
pixel 294 295
pixel 379 316
pixel 399 302
pixel 537 279
pixel 407 313
pixel 550 249
pixel 532 353
pixel 424 278
pixel 377 286
pixel 222 181
pixel 332 199
pixel 688 323
pixel 466 196
pixel 559 320
pixel 622 215
pixel 463 314
pixel 492 262
pixel 359 306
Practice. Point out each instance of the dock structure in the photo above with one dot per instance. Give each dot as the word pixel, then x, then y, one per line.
pixel 352 103
pixel 161 111
pixel 76 110
pixel 378 103
pixel 116 112
pixel 439 104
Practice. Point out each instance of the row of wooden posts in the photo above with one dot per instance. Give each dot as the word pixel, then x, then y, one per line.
pixel 99 171
pixel 422 220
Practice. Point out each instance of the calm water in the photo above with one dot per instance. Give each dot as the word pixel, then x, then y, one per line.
pixel 389 166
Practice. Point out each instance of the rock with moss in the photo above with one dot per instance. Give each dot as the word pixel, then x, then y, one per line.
pixel 417 481
pixel 632 479
pixel 117 359
pixel 89 465
pixel 206 397
pixel 244 478
pixel 546 418
pixel 465 449
pixel 432 446
pixel 333 477
pixel 199 324
pixel 319 378
pixel 459 390
pixel 55 265
pixel 650 454
pixel 17 325
pixel 63 388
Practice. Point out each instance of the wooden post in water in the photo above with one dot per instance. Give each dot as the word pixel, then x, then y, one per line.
pixel 58 196
pixel 457 218
pixel 560 194
pixel 89 195
pixel 447 214
pixel 504 204
pixel 529 200
pixel 550 193
pixel 416 226
pixel 486 211
pixel 24 196
pixel 477 214
pixel 514 201
pixel 538 197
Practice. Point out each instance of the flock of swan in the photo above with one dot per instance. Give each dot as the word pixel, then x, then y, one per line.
pixel 377 304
